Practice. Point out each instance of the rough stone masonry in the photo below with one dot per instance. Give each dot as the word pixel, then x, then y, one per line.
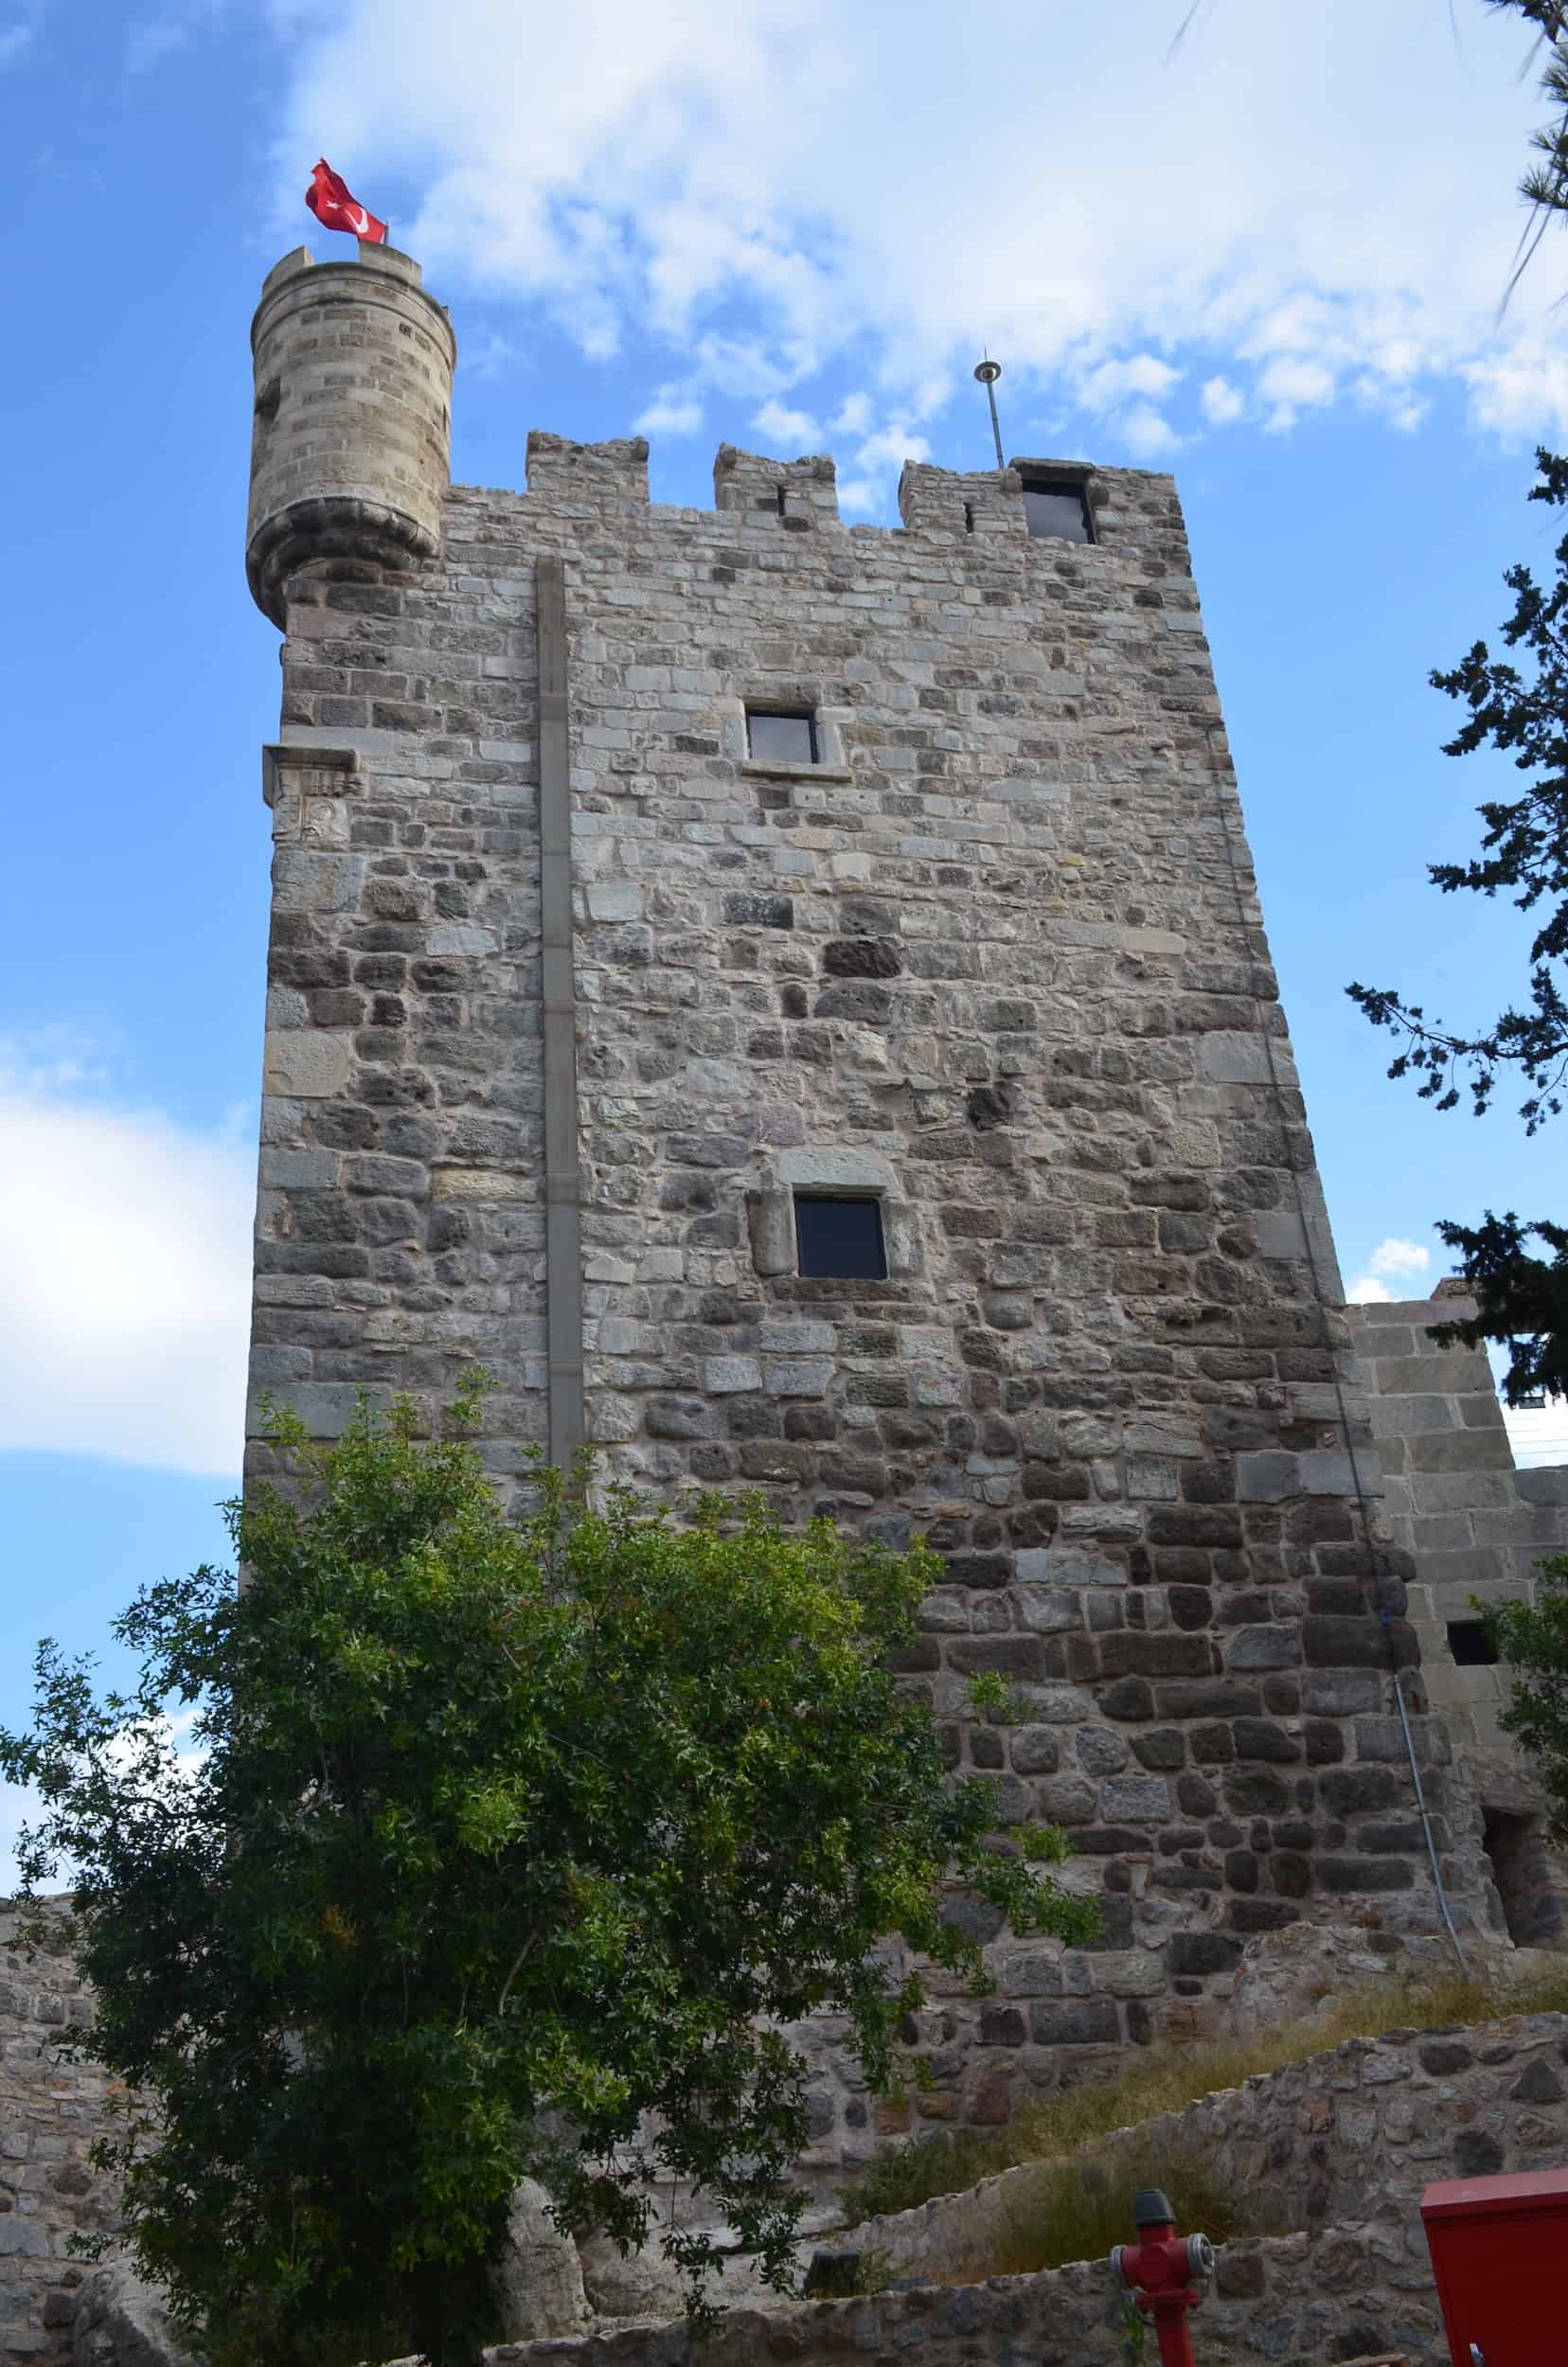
pixel 650 879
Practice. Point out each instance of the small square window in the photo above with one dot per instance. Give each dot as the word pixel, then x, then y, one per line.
pixel 838 1236
pixel 1471 1646
pixel 1058 507
pixel 777 737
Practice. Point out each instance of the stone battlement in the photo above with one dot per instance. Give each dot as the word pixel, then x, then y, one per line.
pixel 800 495
pixel 350 457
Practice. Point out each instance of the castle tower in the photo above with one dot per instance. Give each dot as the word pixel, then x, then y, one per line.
pixel 352 432
pixel 791 1000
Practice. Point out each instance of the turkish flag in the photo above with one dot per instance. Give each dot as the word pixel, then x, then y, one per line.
pixel 328 199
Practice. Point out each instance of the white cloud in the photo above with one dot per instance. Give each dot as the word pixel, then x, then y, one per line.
pixel 1296 381
pixel 617 164
pixel 1112 383
pixel 863 493
pixel 853 416
pixel 1513 392
pixel 1394 1256
pixel 781 425
pixel 1222 402
pixel 18 34
pixel 673 411
pixel 890 447
pixel 124 1273
pixel 1146 434
pixel 1393 1260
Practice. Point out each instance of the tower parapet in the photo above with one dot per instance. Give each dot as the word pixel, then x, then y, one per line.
pixel 351 439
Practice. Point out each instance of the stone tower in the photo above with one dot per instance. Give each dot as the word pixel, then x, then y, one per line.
pixel 791 1000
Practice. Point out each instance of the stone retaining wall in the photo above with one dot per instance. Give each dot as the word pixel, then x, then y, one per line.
pixel 1283 2300
pixel 1343 2143
pixel 1346 2142
pixel 1351 2136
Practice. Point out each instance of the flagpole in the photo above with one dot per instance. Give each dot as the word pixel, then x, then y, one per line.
pixel 987 372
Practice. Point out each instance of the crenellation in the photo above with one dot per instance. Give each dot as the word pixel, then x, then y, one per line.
pixel 561 471
pixel 797 495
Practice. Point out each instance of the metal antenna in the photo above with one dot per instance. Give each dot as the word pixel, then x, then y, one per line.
pixel 987 372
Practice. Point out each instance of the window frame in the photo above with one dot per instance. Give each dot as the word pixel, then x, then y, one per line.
pixel 755 711
pixel 816 1196
pixel 1060 481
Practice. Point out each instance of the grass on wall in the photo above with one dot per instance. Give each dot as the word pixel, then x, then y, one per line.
pixel 1077 2211
pixel 1166 2079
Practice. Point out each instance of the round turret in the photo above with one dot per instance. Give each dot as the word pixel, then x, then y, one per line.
pixel 351 439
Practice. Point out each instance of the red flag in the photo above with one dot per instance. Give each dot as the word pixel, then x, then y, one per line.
pixel 328 199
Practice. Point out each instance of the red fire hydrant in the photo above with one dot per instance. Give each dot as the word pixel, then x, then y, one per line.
pixel 1165 2275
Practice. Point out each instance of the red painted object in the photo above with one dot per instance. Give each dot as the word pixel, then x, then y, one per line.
pixel 1165 2274
pixel 1499 2250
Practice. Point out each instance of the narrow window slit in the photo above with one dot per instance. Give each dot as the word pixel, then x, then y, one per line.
pixel 968 517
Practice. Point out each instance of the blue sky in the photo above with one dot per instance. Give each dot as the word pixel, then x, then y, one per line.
pixel 1271 262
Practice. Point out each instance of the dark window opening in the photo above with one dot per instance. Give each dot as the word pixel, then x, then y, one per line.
pixel 840 1238
pixel 782 510
pixel 1513 1845
pixel 1471 1646
pixel 1058 507
pixel 968 517
pixel 780 737
pixel 1534 1402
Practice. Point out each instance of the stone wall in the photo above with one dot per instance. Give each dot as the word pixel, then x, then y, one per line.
pixel 1342 2138
pixel 994 959
pixel 1341 2145
pixel 1280 2301
pixel 1474 1528
pixel 1340 2148
pixel 51 2109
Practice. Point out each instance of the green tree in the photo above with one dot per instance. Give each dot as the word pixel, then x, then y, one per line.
pixel 1521 1298
pixel 1544 185
pixel 1533 1639
pixel 507 1851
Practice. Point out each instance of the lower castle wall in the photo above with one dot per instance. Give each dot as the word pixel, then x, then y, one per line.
pixel 1474 1528
pixel 1345 2142
pixel 1340 2147
pixel 1281 2301
pixel 1351 2136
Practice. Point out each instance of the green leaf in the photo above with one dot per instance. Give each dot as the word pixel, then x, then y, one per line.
pixel 499 1832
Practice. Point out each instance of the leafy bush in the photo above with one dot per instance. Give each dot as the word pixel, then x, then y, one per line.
pixel 1532 1638
pixel 508 1851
